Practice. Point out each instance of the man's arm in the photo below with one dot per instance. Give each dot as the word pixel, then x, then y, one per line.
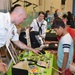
pixel 23 46
pixel 65 60
pixel 3 67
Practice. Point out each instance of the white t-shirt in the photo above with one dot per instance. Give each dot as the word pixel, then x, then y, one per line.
pixel 8 31
pixel 65 45
pixel 36 28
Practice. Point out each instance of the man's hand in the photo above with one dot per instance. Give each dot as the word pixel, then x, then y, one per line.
pixel 72 67
pixel 3 67
pixel 53 52
pixel 36 51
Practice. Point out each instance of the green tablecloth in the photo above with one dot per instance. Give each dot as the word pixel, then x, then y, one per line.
pixel 48 56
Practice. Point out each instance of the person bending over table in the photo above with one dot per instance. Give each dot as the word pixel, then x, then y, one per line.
pixel 8 30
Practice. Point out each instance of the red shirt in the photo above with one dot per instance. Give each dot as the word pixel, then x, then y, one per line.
pixel 71 32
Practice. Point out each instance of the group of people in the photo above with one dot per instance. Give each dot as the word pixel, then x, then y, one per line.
pixel 37 31
pixel 69 16
pixel 66 36
pixel 8 32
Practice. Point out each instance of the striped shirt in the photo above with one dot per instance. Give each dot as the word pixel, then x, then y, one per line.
pixel 65 45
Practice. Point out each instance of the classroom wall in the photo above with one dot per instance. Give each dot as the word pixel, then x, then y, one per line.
pixel 29 8
pixel 69 5
pixel 5 5
pixel 51 5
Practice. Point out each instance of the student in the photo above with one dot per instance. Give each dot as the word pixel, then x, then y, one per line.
pixel 46 14
pixel 65 48
pixel 8 30
pixel 56 13
pixel 64 18
pixel 38 27
pixel 70 19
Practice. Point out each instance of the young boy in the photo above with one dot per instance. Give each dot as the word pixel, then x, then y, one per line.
pixel 65 48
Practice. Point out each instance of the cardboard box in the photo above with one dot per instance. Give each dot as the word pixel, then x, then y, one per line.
pixel 20 69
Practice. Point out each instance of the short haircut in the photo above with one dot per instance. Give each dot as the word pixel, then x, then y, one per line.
pixel 57 22
pixel 12 8
pixel 47 11
pixel 41 12
pixel 64 16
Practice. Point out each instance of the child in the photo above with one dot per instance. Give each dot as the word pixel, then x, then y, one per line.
pixel 64 18
pixel 65 48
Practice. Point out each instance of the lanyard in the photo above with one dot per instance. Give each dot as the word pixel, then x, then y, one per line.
pixel 40 27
